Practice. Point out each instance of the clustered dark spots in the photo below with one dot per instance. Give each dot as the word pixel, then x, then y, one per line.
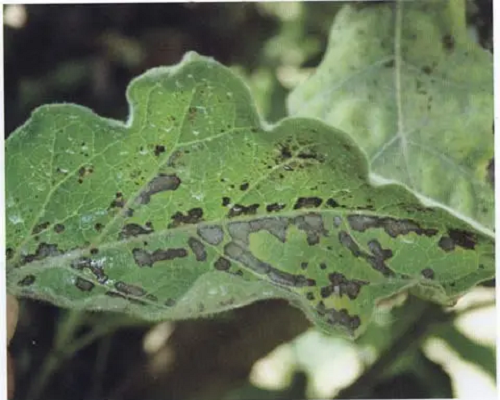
pixel 222 264
pixel 119 201
pixel 193 216
pixel 160 183
pixel 159 149
pixel 40 227
pixel 341 286
pixel 448 42
pixel 274 207
pixel 131 230
pixel 239 209
pixel 457 237
pixel 198 249
pixel 212 234
pixel 144 258
pixel 43 250
pixel 377 260
pixel 84 285
pixel 340 317
pixel 94 267
pixel 59 228
pixel 393 227
pixel 83 172
pixel 427 273
pixel 307 202
pixel 244 186
pixel 28 280
pixel 129 290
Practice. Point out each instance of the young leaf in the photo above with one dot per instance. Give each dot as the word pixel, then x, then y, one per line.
pixel 194 206
pixel 407 83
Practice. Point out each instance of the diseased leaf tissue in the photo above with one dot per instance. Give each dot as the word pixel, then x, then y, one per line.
pixel 194 207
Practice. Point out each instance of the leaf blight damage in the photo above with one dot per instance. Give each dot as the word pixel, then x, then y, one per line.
pixel 217 227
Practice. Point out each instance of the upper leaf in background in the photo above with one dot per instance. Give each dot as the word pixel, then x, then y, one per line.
pixel 407 83
pixel 194 207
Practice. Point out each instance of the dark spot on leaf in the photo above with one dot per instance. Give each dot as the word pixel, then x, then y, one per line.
pixel 130 230
pixel 446 243
pixel 159 149
pixel 426 70
pixel 377 250
pixel 244 186
pixel 275 207
pixel 312 225
pixel 144 258
pixel 226 201
pixel 222 264
pixel 341 286
pixel 170 302
pixel 448 42
pixel 236 252
pixel 393 227
pixel 159 184
pixel 464 239
pixel 304 265
pixel 491 172
pixel 94 251
pixel 336 317
pixel 428 273
pixel 332 203
pixel 310 296
pixel 27 280
pixel 9 253
pixel 286 279
pixel 212 234
pixel 322 265
pixel 119 201
pixel 43 250
pixel 276 226
pixel 198 249
pixel 239 209
pixel 92 265
pixel 193 216
pixel 389 64
pixel 129 290
pixel 285 152
pixel 84 285
pixel 337 221
pixel 40 227
pixel 307 202
pixel 98 227
pixel 59 228
pixel 348 242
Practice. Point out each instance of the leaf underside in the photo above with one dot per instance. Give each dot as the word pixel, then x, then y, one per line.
pixel 194 206
pixel 416 93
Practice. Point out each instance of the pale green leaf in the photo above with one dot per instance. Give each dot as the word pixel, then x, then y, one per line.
pixel 194 207
pixel 413 90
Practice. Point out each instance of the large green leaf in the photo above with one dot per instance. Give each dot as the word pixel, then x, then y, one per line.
pixel 408 84
pixel 194 206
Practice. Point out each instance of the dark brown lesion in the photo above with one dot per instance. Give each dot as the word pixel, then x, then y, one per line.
pixel 427 273
pixel 144 258
pixel 160 183
pixel 132 230
pixel 84 285
pixel 130 290
pixel 59 228
pixel 239 209
pixel 212 234
pixel 222 264
pixel 339 317
pixel 312 224
pixel 193 216
pixel 307 202
pixel 43 250
pixel 119 201
pixel 40 227
pixel 28 280
pixel 275 207
pixel 198 248
pixel 393 227
pixel 341 286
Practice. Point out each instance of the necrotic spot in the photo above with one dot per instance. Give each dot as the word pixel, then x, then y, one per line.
pixel 212 234
pixel 130 290
pixel 193 216
pixel 27 280
pixel 239 209
pixel 428 273
pixel 130 230
pixel 58 228
pixel 40 227
pixel 274 207
pixel 198 249
pixel 222 264
pixel 158 184
pixel 84 285
pixel 145 259
pixel 307 202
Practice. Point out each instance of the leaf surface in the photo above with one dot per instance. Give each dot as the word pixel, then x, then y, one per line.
pixel 408 84
pixel 194 206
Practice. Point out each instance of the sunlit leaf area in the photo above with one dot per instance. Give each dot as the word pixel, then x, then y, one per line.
pixel 245 201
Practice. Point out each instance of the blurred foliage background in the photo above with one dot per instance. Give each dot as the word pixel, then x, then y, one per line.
pixel 87 54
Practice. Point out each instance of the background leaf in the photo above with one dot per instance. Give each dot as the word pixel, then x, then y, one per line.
pixel 193 207
pixel 408 84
